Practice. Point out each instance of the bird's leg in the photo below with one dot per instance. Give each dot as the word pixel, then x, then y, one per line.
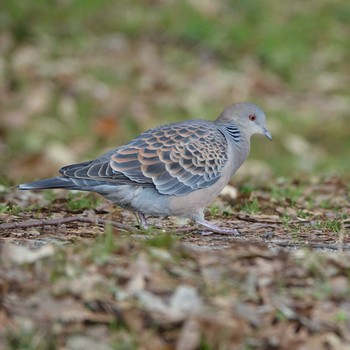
pixel 142 220
pixel 216 229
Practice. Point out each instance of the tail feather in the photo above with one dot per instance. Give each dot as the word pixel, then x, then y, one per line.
pixel 55 182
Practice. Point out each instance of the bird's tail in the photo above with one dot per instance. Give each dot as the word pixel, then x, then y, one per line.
pixel 54 182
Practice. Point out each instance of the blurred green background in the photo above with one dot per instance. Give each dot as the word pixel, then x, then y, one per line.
pixel 78 77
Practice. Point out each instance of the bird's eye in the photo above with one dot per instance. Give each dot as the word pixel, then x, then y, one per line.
pixel 252 117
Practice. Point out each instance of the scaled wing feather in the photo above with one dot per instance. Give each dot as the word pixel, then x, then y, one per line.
pixel 176 159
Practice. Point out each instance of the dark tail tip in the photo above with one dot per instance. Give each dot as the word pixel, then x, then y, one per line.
pixel 55 182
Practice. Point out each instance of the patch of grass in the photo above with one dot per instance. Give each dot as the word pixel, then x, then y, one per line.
pixel 334 225
pixel 214 209
pixel 66 19
pixel 165 241
pixel 204 345
pixel 325 204
pixel 341 316
pixel 285 220
pixel 30 340
pixel 290 193
pixel 219 210
pixel 79 201
pixel 303 214
pixel 246 189
pixel 10 209
pixel 251 206
pixel 330 225
pixel 227 211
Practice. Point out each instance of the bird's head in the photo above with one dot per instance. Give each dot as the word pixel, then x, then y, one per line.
pixel 248 117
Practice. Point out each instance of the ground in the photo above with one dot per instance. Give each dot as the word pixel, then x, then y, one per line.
pixel 282 283
pixel 78 78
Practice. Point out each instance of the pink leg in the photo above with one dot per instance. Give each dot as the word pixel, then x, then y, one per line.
pixel 142 220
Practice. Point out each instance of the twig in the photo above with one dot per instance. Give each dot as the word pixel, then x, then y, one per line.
pixel 339 246
pixel 259 220
pixel 60 221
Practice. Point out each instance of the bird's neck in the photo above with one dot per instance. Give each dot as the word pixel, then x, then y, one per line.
pixel 233 132
pixel 239 140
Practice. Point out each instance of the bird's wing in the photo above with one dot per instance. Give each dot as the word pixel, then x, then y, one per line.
pixel 176 159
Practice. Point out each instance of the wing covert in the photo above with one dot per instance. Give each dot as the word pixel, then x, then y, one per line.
pixel 176 159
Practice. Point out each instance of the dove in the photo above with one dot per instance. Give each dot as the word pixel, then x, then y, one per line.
pixel 175 169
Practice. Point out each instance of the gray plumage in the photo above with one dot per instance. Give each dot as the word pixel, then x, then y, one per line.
pixel 175 169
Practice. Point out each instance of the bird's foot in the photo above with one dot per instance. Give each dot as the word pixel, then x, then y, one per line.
pixel 142 220
pixel 216 229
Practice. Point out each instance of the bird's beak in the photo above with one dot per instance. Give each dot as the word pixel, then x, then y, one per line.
pixel 267 133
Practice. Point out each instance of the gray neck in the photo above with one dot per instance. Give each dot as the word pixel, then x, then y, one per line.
pixel 238 140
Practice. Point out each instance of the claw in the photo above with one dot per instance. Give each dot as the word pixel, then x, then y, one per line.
pixel 215 229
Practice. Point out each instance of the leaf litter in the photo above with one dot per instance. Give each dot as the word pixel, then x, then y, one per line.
pixel 282 283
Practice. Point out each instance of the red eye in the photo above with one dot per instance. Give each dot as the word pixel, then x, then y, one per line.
pixel 252 117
